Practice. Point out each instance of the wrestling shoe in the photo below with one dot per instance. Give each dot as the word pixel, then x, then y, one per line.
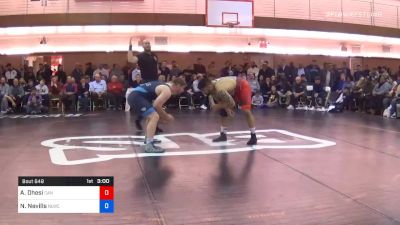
pixel 253 140
pixel 222 137
pixel 151 148
pixel 155 141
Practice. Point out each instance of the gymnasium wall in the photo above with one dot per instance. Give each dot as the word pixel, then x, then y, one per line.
pixel 187 59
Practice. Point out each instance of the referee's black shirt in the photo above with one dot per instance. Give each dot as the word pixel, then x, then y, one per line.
pixel 148 66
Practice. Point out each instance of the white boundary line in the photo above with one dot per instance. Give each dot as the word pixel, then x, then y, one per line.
pixel 58 156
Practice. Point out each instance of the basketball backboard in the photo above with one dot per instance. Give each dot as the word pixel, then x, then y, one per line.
pixel 230 13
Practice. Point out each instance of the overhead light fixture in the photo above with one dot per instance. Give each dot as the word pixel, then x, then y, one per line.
pixel 43 41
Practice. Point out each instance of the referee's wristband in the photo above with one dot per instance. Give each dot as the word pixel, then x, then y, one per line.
pixel 130 47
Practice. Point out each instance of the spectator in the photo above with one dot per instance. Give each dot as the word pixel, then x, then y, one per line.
pixel 265 88
pixel 43 91
pixel 2 70
pixel 327 76
pixel 366 71
pixel 304 79
pixel 265 70
pixel 89 70
pixel 392 93
pixel 275 81
pixel 62 76
pixel 241 69
pixel 30 75
pixel 188 71
pixel 290 72
pixel 395 101
pixel 47 74
pixel 56 88
pixel 319 94
pixel 198 67
pixel 23 84
pixel 253 69
pixel 77 72
pixel 358 74
pixel 70 90
pixel 116 70
pixel 197 93
pixel 280 70
pixel 28 89
pixel 285 92
pixel 162 78
pixel 4 92
pixel 374 74
pixel 299 92
pixel 339 87
pixel 301 70
pixel 34 104
pixel 273 98
pixel 314 71
pixel 261 79
pixel 349 83
pixel 40 73
pixel 105 72
pixel 175 70
pixel 228 69
pixel 83 94
pixel 245 67
pixel 255 86
pixel 257 100
pixel 115 92
pixel 10 74
pixel 164 70
pixel 98 89
pixel 367 95
pixel 98 70
pixel 16 93
pixel 380 90
pixel 357 93
pixel 134 73
pixel 345 69
pixel 212 70
pixel 138 81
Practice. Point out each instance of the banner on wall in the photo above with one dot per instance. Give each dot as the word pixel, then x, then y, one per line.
pixel 55 61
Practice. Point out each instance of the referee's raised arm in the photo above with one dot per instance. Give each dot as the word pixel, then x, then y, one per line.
pixel 131 58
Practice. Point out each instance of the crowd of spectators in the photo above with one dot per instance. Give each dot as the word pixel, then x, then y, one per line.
pixel 373 91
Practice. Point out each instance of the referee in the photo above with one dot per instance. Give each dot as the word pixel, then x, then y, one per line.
pixel 148 64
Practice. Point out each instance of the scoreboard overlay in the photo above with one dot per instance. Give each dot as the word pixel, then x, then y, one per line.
pixel 65 194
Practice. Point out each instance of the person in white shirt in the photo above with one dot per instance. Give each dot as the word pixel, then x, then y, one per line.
pixel 253 69
pixel 198 94
pixel 135 72
pixel 255 86
pixel 257 100
pixel 98 89
pixel 328 78
pixel 300 70
pixel 195 85
pixel 10 74
pixel 43 91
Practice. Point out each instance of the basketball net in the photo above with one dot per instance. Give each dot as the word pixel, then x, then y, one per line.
pixel 233 26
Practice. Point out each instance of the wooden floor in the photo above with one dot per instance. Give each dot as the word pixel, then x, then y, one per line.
pixel 310 168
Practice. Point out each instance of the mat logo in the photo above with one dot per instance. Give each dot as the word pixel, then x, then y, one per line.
pixel 91 149
pixel 39 116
